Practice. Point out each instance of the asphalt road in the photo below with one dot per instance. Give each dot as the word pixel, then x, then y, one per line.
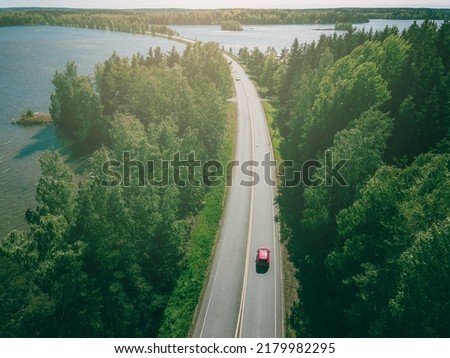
pixel 240 301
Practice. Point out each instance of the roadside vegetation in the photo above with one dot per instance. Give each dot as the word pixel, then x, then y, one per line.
pixel 103 260
pixel 180 313
pixel 290 282
pixel 373 257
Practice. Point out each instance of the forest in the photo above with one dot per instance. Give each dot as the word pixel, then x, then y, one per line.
pixel 103 261
pixel 372 257
pixel 138 21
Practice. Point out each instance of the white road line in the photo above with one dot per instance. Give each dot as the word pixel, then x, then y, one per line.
pixel 274 226
pixel 240 321
pixel 274 268
pixel 277 258
pixel 211 294
pixel 275 248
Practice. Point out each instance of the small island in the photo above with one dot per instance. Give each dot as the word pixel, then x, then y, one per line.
pixel 230 25
pixel 31 118
pixel 343 26
pixel 162 29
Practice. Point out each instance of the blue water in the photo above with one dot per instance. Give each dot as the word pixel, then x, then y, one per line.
pixel 262 36
pixel 29 57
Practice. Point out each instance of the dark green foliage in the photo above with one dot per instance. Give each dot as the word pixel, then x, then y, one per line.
pixel 362 145
pixel 56 302
pixel 418 298
pixel 382 234
pixel 177 321
pixel 424 112
pixel 83 123
pixel 203 65
pixel 372 257
pixel 18 298
pixel 102 261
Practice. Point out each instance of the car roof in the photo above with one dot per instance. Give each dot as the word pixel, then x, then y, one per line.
pixel 263 253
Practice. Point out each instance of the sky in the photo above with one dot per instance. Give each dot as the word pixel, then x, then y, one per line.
pixel 212 4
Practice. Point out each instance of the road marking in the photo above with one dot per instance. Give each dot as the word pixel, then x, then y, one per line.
pixel 275 247
pixel 274 242
pixel 275 228
pixel 238 332
pixel 210 296
pixel 274 266
pixel 277 258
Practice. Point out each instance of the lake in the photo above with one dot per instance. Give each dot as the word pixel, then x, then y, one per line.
pixel 29 57
pixel 277 36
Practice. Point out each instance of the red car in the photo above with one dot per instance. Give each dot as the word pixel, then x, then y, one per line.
pixel 263 257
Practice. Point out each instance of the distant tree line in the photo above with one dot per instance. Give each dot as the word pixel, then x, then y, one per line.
pixel 373 257
pixel 138 21
pixel 102 261
pixel 131 23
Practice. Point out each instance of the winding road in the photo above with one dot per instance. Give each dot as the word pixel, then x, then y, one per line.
pixel 239 301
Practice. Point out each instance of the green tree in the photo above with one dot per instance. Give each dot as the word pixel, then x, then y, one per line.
pixel 204 64
pixel 380 231
pixel 23 304
pixel 84 123
pixel 268 77
pixel 361 145
pixel 352 86
pixel 422 292
pixel 363 270
pixel 173 57
pixel 113 83
pixel 422 110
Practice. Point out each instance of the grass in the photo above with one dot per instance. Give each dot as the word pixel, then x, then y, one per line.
pixel 290 283
pixel 270 112
pixel 180 314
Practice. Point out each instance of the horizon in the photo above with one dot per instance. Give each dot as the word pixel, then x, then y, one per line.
pixel 225 8
pixel 220 4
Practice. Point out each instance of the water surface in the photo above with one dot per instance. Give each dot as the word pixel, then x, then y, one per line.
pixel 277 36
